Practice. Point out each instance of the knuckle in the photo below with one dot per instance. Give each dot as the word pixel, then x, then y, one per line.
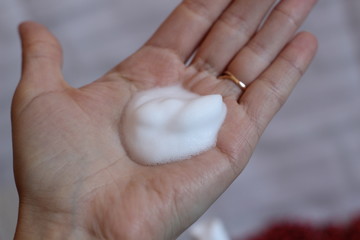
pixel 292 65
pixel 236 22
pixel 40 49
pixel 198 7
pixel 258 48
pixel 276 96
pixel 289 18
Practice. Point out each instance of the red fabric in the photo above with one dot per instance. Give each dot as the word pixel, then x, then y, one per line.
pixel 293 231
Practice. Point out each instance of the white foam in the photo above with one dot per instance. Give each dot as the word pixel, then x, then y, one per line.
pixel 168 124
pixel 210 229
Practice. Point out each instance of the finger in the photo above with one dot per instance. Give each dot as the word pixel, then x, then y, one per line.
pixel 279 28
pixel 230 33
pixel 203 178
pixel 265 96
pixel 41 61
pixel 187 25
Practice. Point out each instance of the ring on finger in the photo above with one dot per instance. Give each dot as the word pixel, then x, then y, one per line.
pixel 229 76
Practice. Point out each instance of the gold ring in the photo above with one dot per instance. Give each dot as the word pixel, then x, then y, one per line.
pixel 228 75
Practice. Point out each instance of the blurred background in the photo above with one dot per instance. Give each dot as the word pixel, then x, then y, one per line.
pixel 307 165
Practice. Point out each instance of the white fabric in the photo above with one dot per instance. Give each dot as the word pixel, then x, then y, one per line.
pixel 307 163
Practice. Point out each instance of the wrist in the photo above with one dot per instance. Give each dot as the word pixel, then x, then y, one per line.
pixel 34 223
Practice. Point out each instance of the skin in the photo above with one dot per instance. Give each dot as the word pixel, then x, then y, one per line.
pixel 74 177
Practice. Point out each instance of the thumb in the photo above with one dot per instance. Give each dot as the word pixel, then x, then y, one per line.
pixel 41 62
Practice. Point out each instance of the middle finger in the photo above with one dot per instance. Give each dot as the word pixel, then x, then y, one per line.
pixel 230 33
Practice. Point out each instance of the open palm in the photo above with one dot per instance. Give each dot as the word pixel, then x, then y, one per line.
pixel 74 177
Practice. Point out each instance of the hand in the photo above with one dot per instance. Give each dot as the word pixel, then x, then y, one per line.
pixel 74 178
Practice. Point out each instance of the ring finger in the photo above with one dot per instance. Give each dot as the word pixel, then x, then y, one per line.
pixel 256 54
pixel 265 46
pixel 229 34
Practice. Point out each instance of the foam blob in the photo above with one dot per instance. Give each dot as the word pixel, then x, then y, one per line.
pixel 169 124
pixel 211 229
